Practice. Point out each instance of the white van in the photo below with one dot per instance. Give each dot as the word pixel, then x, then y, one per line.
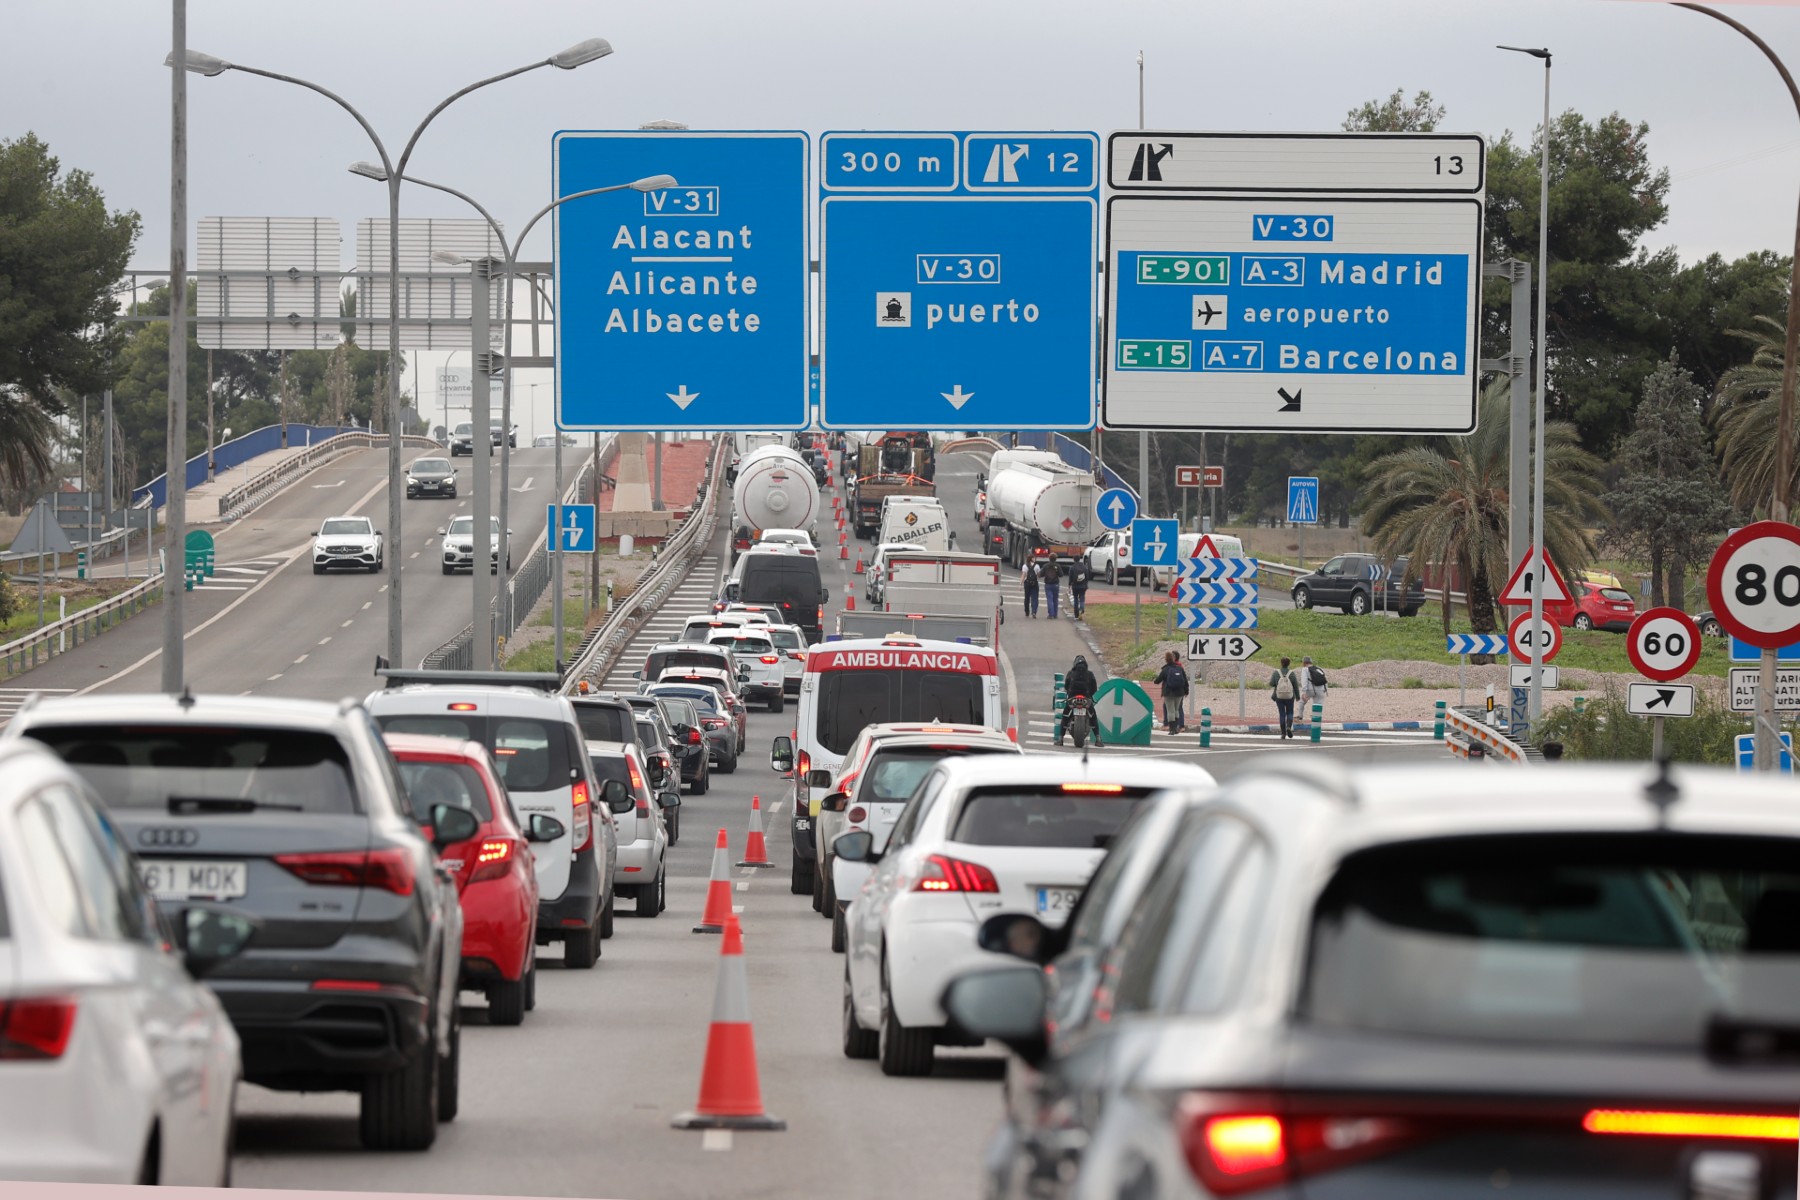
pixel 851 683
pixel 1227 546
pixel 914 521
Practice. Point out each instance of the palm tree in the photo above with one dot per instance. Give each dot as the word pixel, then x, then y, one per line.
pixel 25 435
pixel 1745 412
pixel 1449 505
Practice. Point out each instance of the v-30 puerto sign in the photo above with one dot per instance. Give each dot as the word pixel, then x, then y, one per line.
pixel 1753 584
pixel 1663 644
pixel 1526 643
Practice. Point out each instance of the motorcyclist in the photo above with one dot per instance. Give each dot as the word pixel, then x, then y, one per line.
pixel 1078 681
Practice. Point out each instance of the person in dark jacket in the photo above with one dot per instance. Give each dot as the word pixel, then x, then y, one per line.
pixel 1173 680
pixel 1028 579
pixel 1284 689
pixel 1078 586
pixel 1052 578
pixel 1078 681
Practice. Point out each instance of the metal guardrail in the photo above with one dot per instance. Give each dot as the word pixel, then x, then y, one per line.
pixel 37 648
pixel 242 499
pixel 674 559
pixel 1467 730
pixel 523 590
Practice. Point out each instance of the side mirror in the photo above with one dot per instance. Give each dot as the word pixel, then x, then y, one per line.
pixel 544 828
pixel 637 674
pixel 858 846
pixel 743 672
pixel 781 754
pixel 440 531
pixel 209 937
pixel 1021 936
pixel 669 800
pixel 824 595
pixel 451 824
pixel 819 779
pixel 1003 1003
pixel 836 802
pixel 616 797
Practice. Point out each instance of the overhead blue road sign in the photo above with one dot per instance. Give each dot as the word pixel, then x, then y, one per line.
pixel 1224 592
pixel 1116 508
pixel 1155 542
pixel 1303 500
pixel 687 308
pixel 1746 753
pixel 1215 618
pixel 958 276
pixel 574 527
pixel 1218 568
pixel 1476 643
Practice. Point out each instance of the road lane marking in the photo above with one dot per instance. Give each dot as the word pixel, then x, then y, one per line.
pixel 323 640
pixel 743 887
pixel 368 604
pixel 274 677
pixel 347 624
pixel 415 554
pixel 715 1139
pixel 300 660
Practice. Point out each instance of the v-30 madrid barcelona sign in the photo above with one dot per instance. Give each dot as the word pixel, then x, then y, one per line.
pixel 1317 283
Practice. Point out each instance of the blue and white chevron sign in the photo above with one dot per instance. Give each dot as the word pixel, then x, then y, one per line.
pixel 1191 592
pixel 1215 618
pixel 1476 643
pixel 1218 568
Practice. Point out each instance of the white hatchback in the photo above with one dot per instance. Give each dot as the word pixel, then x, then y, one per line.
pixel 115 1065
pixel 981 835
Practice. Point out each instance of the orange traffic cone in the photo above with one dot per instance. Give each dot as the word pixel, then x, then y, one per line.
pixel 1012 722
pixel 755 853
pixel 843 552
pixel 849 601
pixel 718 892
pixel 730 1093
pixel 859 562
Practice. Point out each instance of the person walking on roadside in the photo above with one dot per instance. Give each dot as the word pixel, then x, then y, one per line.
pixel 1078 585
pixel 1312 687
pixel 1028 579
pixel 1173 680
pixel 1284 688
pixel 1052 577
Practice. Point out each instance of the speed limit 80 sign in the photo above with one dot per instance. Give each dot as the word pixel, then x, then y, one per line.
pixel 1663 644
pixel 1753 584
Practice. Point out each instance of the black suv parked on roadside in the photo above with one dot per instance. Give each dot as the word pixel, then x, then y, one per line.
pixel 1360 584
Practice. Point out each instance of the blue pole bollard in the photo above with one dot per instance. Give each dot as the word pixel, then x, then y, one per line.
pixel 1317 709
pixel 1205 728
pixel 1437 725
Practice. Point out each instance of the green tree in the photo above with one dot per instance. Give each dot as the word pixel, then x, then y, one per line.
pixel 1447 504
pixel 1668 507
pixel 61 252
pixel 1396 114
pixel 1746 414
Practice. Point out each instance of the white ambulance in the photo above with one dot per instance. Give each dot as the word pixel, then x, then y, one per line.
pixel 851 683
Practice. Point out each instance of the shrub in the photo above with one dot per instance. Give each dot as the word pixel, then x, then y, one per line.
pixel 1412 683
pixel 10 599
pixel 1605 731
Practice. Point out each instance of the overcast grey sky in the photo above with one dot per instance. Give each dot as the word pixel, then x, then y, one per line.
pixel 87 77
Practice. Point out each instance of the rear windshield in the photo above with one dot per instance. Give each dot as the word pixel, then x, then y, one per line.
pixel 787 639
pixel 781 579
pixel 747 645
pixel 1623 940
pixel 893 774
pixel 1612 593
pixel 667 660
pixel 144 766
pixel 605 722
pixel 531 755
pixel 454 783
pixel 648 736
pixel 1045 818
pixel 849 700
pixel 611 766
pixel 704 699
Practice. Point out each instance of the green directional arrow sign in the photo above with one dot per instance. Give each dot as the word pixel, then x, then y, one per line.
pixel 1124 713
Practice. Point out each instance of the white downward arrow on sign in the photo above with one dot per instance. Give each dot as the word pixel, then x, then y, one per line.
pixel 683 398
pixel 958 397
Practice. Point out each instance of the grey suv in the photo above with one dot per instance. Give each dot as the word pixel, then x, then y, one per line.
pixel 293 813
pixel 1360 584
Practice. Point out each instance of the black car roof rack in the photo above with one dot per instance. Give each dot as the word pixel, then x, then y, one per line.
pixel 543 681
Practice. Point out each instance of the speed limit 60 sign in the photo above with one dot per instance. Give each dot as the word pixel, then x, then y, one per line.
pixel 1754 584
pixel 1663 644
pixel 1534 645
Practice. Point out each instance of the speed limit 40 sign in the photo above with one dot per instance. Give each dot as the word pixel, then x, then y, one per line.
pixel 1754 584
pixel 1663 644
pixel 1539 645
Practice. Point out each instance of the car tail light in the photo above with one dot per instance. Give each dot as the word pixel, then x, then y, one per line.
pixel 462 706
pixel 771 658
pixel 584 815
pixel 803 765
pixel 713 722
pixel 1753 1126
pixel 693 737
pixel 637 777
pixel 35 1029
pixel 388 870
pixel 1102 789
pixel 857 815
pixel 942 873
pixel 493 860
pixel 346 985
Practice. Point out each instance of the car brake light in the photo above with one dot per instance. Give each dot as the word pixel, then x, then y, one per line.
pixel 1240 1145
pixel 637 778
pixel 493 860
pixel 462 706
pixel 346 985
pixel 35 1028
pixel 857 815
pixel 942 873
pixel 388 870
pixel 770 658
pixel 584 816
pixel 693 737
pixel 1109 789
pixel 1756 1126
pixel 804 764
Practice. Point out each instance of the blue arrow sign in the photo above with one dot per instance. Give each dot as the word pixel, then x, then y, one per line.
pixel 1303 500
pixel 1191 592
pixel 1746 753
pixel 957 274
pixel 1476 643
pixel 684 308
pixel 1215 618
pixel 1155 542
pixel 1116 508
pixel 1218 568
pixel 575 526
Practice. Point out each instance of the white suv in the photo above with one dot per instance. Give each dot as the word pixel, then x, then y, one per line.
pixel 643 837
pixel 346 542
pixel 760 674
pixel 459 546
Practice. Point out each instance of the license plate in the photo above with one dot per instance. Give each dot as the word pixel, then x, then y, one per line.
pixel 1057 900
pixel 192 880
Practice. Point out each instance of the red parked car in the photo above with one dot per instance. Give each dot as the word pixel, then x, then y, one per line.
pixel 495 874
pixel 1592 606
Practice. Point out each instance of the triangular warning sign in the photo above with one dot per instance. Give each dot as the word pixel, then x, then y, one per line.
pixel 1204 548
pixel 1518 588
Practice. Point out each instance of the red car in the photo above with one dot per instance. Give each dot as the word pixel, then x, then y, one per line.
pixel 495 874
pixel 1592 606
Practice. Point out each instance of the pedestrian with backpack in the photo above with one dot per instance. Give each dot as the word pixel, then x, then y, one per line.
pixel 1312 685
pixel 1028 578
pixel 1078 585
pixel 1174 683
pixel 1284 688
pixel 1052 577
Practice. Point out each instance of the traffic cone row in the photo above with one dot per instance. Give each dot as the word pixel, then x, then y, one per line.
pixel 730 1091
pixel 718 891
pixel 756 854
pixel 859 561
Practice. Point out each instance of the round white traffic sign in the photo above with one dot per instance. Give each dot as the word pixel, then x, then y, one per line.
pixel 1663 644
pixel 1527 643
pixel 1753 584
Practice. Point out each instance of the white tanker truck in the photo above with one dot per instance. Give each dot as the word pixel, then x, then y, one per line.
pixel 774 489
pixel 1037 504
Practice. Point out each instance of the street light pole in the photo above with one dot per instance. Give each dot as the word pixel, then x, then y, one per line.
pixel 1768 747
pixel 175 479
pixel 205 64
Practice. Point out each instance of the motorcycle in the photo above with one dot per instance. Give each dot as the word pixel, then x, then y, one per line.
pixel 1081 719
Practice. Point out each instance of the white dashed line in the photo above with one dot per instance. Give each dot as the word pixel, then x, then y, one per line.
pixel 367 604
pixel 323 640
pixel 347 624
pixel 300 660
pixel 274 677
